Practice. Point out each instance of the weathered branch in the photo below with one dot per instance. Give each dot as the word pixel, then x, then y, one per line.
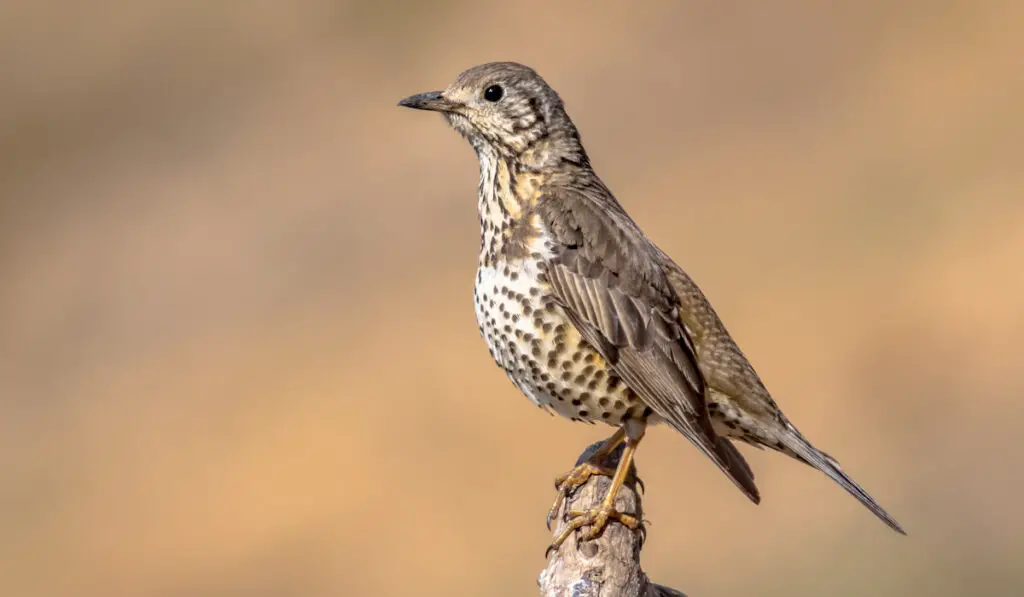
pixel 608 566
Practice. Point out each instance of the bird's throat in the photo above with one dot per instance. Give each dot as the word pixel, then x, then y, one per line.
pixel 506 198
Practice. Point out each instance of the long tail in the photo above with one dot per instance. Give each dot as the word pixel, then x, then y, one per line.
pixel 806 452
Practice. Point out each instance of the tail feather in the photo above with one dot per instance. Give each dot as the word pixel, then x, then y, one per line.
pixel 733 455
pixel 828 465
pixel 735 466
pixel 721 451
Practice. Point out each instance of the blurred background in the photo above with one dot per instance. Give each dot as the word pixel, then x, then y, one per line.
pixel 238 353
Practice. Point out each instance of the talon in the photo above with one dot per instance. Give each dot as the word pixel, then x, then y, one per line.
pixel 579 475
pixel 643 533
pixel 571 481
pixel 596 520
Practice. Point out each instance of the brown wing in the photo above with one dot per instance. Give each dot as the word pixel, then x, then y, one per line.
pixel 607 277
pixel 722 363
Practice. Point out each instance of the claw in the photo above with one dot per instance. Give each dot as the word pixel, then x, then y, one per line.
pixel 551 548
pixel 596 519
pixel 643 533
pixel 573 480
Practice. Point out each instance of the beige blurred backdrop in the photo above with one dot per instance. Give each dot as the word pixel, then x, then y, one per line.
pixel 237 346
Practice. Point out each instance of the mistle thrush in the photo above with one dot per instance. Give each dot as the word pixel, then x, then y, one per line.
pixel 584 313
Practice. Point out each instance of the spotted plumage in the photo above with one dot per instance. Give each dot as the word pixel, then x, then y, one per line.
pixel 587 316
pixel 527 332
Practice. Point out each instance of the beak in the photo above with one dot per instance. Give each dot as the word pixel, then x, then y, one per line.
pixel 431 100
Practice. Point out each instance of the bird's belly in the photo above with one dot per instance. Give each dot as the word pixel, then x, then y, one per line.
pixel 541 351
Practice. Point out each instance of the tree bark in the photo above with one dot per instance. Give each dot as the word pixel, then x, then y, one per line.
pixel 608 566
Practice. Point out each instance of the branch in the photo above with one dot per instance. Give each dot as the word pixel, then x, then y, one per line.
pixel 608 566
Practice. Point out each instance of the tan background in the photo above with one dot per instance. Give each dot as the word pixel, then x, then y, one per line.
pixel 237 348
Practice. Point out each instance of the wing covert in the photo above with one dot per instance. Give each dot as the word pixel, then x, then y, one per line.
pixel 607 278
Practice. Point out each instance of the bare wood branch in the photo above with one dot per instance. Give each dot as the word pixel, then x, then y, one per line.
pixel 608 566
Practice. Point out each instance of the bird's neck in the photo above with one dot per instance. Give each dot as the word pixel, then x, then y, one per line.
pixel 556 150
pixel 498 204
pixel 505 200
pixel 512 182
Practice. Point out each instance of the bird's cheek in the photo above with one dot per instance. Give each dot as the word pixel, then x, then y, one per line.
pixel 459 123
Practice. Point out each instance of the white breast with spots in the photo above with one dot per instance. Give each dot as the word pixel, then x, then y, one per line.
pixel 509 301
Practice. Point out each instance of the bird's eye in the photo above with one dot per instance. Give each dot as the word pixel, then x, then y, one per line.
pixel 493 93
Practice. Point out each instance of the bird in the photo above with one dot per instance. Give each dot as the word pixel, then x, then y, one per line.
pixel 586 315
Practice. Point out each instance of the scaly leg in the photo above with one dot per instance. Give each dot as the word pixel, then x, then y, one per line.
pixel 597 518
pixel 581 473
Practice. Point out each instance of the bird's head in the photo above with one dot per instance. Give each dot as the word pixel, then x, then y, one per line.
pixel 505 108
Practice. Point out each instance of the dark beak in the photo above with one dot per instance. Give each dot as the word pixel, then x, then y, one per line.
pixel 431 100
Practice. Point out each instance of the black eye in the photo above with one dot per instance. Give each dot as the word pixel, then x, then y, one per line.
pixel 493 93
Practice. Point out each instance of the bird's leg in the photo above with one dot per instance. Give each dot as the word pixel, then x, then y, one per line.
pixel 581 473
pixel 597 518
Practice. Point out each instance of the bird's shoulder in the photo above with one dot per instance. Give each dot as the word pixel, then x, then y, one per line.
pixel 592 236
pixel 609 277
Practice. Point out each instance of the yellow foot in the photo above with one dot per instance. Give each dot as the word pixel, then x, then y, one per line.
pixel 596 519
pixel 573 480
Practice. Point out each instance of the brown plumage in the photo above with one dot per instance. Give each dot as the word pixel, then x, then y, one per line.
pixel 583 312
pixel 608 280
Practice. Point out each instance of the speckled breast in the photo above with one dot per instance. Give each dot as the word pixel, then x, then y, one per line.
pixel 543 354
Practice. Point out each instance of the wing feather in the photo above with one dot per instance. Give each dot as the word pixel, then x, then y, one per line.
pixel 606 277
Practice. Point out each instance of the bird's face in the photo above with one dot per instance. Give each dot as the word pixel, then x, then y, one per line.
pixel 502 106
